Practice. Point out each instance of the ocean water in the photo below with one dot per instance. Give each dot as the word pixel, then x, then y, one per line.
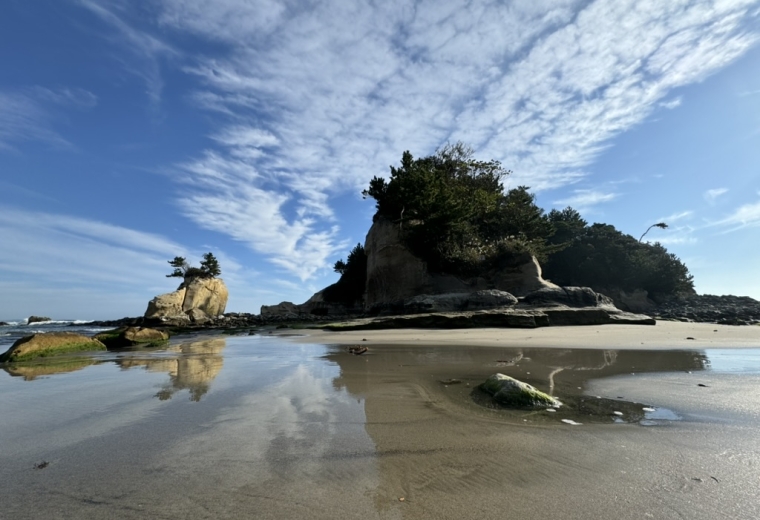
pixel 16 329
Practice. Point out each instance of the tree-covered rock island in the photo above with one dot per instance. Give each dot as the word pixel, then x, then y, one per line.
pixel 447 237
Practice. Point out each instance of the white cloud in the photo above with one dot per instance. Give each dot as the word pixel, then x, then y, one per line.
pixel 146 50
pixel 712 195
pixel 676 217
pixel 65 249
pixel 673 103
pixel 744 216
pixel 313 99
pixel 583 199
pixel 30 114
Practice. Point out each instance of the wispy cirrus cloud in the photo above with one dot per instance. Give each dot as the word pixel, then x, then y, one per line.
pixel 145 50
pixel 584 199
pixel 61 248
pixel 747 215
pixel 112 270
pixel 31 114
pixel 673 103
pixel 675 217
pixel 712 195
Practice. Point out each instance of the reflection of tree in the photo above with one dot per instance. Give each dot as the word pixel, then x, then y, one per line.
pixel 193 369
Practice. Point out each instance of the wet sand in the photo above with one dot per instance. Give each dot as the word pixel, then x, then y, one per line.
pixel 297 427
pixel 664 335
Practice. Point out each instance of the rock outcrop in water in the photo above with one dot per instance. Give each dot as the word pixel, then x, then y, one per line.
pixel 131 336
pixel 37 319
pixel 197 300
pixel 49 344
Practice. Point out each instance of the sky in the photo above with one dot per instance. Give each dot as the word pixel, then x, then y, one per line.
pixel 132 132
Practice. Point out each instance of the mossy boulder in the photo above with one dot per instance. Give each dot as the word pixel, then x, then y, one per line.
pixel 513 393
pixel 132 336
pixel 49 344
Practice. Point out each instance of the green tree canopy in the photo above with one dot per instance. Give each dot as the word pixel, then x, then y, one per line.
pixel 349 288
pixel 453 211
pixel 603 258
pixel 209 268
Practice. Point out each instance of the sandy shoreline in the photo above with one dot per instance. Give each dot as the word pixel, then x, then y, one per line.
pixel 664 335
pixel 280 426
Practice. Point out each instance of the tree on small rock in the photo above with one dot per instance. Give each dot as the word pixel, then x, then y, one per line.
pixel 209 268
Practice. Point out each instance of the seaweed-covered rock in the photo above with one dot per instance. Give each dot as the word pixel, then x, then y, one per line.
pixel 131 336
pixel 49 344
pixel 513 393
pixel 37 319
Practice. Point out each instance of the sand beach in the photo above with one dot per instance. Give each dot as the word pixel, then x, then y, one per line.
pixel 289 424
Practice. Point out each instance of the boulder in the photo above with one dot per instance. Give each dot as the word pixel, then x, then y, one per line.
pixel 567 296
pixel 635 301
pixel 490 299
pixel 521 276
pixel 36 319
pixel 195 299
pixel 3 324
pixel 508 391
pixel 49 344
pixel 207 294
pixel 451 302
pixel 167 305
pixel 131 336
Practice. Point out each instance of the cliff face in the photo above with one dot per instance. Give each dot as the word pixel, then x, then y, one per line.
pixel 395 274
pixel 196 300
pixel 398 281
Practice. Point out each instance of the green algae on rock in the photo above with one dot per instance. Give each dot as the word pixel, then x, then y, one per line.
pixel 508 391
pixel 49 344
pixel 132 336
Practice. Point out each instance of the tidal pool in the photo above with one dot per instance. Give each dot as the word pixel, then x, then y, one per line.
pixel 260 426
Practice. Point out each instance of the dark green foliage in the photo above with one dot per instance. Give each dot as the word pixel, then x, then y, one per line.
pixel 180 266
pixel 350 288
pixel 209 268
pixel 453 212
pixel 601 257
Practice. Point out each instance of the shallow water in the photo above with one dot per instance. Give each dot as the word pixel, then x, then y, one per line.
pixel 258 426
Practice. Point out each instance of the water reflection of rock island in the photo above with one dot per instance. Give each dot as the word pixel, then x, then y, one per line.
pixel 433 442
pixel 550 369
pixel 193 369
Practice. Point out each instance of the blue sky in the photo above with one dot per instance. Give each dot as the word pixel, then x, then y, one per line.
pixel 132 132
